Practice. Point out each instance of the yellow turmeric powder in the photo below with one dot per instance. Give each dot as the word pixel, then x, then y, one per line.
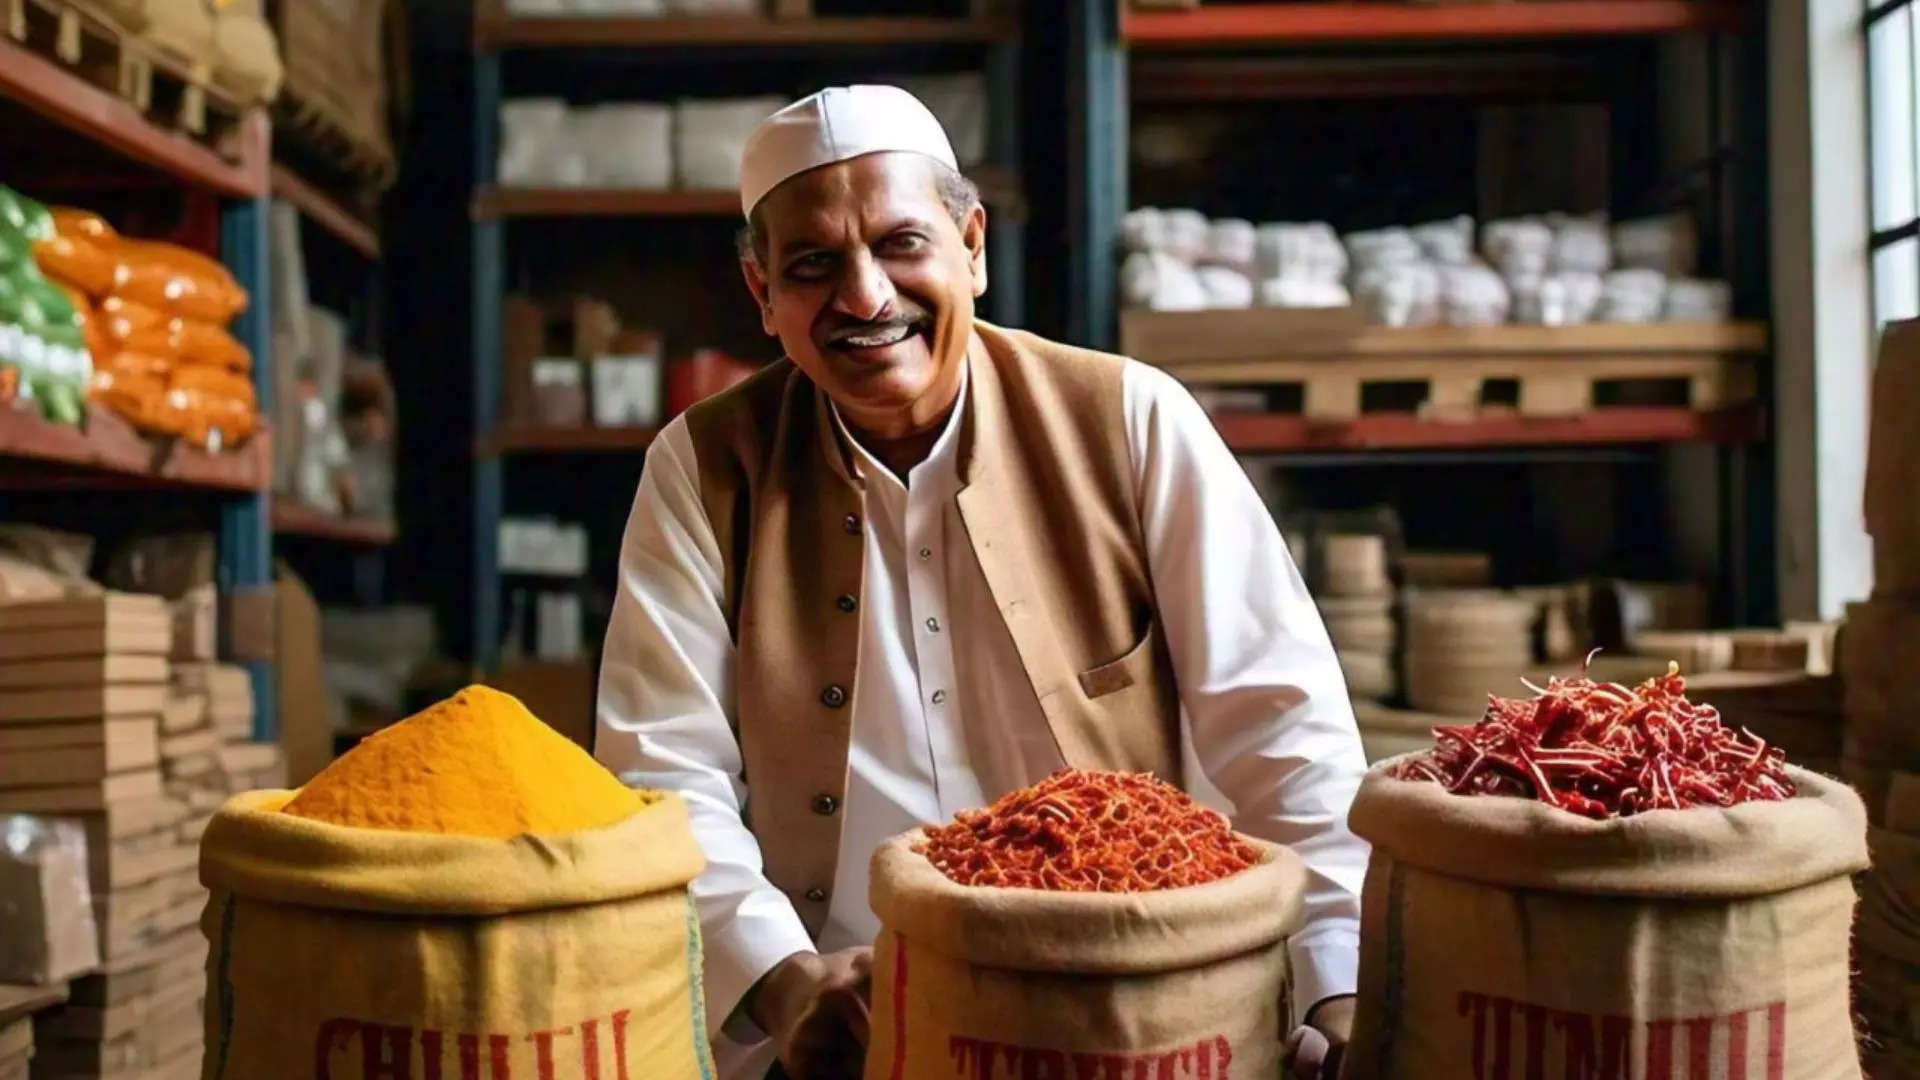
pixel 476 764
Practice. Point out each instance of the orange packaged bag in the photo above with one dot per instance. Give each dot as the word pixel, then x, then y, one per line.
pixel 98 346
pixel 78 261
pixel 178 281
pixel 69 221
pixel 122 319
pixel 215 381
pixel 141 399
pixel 205 343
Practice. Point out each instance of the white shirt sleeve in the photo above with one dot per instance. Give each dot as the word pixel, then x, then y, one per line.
pixel 666 702
pixel 1267 708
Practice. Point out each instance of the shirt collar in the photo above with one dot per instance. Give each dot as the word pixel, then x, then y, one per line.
pixel 942 463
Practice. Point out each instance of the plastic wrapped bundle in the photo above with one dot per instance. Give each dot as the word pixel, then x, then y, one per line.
pixel 1519 247
pixel 628 145
pixel 1581 243
pixel 1301 292
pixel 1185 234
pixel 1472 295
pixel 1668 243
pixel 1632 296
pixel 1160 282
pixel 1404 294
pixel 711 136
pixel 1382 247
pixel 537 145
pixel 1563 299
pixel 1231 244
pixel 1310 252
pixel 1698 300
pixel 1225 287
pixel 1144 229
pixel 1448 242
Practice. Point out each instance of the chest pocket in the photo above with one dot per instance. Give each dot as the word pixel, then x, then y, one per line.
pixel 1134 668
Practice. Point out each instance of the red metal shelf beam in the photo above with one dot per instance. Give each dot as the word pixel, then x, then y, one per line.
pixel 1229 25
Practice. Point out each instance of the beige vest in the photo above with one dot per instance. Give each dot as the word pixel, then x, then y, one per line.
pixel 1047 495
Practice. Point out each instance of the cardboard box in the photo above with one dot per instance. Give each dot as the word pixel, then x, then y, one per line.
pixel 125 636
pixel 306 728
pixel 43 888
pixel 560 693
pixel 189 744
pixel 196 619
pixel 80 798
pixel 134 817
pixel 184 712
pixel 81 703
pixel 107 1022
pixel 84 671
pixel 122 748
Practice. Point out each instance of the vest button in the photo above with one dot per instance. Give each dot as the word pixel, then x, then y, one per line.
pixel 848 603
pixel 825 805
pixel 817 895
pixel 851 523
pixel 833 696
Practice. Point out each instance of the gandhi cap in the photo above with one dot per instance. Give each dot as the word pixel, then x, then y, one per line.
pixel 837 124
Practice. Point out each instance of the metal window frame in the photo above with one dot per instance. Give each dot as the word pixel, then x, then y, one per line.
pixel 1878 239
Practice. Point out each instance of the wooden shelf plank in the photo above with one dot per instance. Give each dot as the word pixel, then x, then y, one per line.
pixel 1264 433
pixel 56 93
pixel 107 453
pixel 494 30
pixel 1232 25
pixel 1176 339
pixel 558 440
pixel 998 187
pixel 325 211
pixel 295 519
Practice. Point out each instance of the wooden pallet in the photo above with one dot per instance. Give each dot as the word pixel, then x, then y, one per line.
pixel 326 128
pixel 1463 388
pixel 168 87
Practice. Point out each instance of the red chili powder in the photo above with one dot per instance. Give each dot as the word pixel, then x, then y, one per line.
pixel 1079 831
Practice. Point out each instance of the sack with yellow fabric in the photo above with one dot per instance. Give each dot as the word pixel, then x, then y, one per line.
pixel 465 891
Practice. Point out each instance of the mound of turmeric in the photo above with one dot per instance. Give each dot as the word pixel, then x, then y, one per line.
pixel 476 764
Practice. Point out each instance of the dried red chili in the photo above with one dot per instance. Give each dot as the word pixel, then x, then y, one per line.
pixel 1079 831
pixel 1601 750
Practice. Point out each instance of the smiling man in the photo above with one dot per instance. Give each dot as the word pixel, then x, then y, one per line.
pixel 922 561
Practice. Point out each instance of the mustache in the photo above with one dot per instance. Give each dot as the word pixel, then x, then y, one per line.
pixel 904 318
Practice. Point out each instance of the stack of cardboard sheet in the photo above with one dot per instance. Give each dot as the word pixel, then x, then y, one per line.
pixel 84 684
pixel 1878 658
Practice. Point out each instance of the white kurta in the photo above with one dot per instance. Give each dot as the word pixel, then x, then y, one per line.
pixel 944 717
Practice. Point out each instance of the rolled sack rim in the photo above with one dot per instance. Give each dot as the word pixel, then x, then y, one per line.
pixel 1087 933
pixel 253 850
pixel 1702 853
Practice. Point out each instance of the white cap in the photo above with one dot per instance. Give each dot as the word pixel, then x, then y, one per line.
pixel 837 124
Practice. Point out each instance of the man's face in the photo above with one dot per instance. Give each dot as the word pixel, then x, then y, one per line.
pixel 869 285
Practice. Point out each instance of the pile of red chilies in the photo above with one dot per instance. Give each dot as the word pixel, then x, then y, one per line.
pixel 1601 750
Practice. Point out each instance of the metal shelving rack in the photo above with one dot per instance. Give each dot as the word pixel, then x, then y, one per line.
pixel 1215 50
pixel 31 450
pixel 722 40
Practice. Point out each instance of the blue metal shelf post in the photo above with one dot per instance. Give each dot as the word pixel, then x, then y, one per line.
pixel 1096 169
pixel 246 537
pixel 489 286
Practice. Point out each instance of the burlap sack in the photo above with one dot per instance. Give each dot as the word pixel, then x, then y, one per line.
pixel 973 982
pixel 1501 937
pixel 350 954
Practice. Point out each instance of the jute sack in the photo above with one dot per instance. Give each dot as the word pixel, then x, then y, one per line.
pixel 349 954
pixel 1503 938
pixel 973 982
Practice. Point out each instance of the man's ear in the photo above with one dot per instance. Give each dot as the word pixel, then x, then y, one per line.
pixel 757 285
pixel 974 234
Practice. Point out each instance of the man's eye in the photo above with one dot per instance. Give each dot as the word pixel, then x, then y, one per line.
pixel 904 243
pixel 808 266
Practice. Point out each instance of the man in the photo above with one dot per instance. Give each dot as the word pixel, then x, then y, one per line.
pixel 923 561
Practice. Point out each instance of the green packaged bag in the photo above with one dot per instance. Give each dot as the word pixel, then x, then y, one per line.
pixel 24 216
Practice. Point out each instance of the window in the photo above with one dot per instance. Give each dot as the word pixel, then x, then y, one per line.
pixel 1894 167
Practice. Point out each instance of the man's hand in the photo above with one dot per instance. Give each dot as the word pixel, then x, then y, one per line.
pixel 815 1009
pixel 1315 1050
